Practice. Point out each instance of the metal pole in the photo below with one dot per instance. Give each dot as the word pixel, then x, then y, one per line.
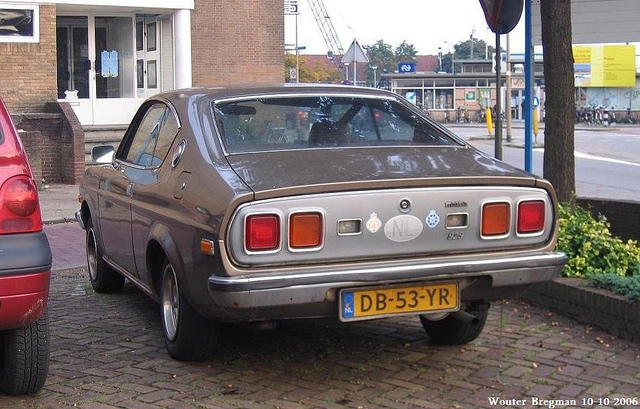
pixel 528 82
pixel 507 108
pixel 498 142
pixel 297 53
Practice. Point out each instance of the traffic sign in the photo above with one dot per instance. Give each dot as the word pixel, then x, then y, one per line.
pixel 535 102
pixel 406 67
pixel 291 7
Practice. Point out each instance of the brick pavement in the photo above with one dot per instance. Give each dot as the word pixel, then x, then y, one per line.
pixel 107 352
pixel 67 245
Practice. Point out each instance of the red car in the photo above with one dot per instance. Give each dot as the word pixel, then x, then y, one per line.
pixel 25 269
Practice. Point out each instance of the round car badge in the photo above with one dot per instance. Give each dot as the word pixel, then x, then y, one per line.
pixel 373 224
pixel 432 219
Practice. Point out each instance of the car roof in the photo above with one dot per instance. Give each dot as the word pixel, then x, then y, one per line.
pixel 248 90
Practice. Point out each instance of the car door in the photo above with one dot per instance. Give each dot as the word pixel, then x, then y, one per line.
pixel 148 195
pixel 134 163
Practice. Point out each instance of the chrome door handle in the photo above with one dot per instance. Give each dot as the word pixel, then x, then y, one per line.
pixel 130 189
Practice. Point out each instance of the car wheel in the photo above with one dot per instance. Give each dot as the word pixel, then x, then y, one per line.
pixel 103 278
pixel 456 330
pixel 187 335
pixel 24 358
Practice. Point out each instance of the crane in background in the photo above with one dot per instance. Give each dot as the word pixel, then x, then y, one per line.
pixel 334 47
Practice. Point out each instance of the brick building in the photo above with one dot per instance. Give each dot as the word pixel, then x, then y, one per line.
pixel 69 65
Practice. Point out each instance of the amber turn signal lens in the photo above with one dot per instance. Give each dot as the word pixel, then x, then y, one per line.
pixel 495 219
pixel 531 216
pixel 305 230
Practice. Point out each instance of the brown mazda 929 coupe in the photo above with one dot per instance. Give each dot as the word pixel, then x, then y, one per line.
pixel 261 203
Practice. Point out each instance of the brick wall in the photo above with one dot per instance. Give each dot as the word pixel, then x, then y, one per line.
pixel 28 79
pixel 237 41
pixel 54 143
pixel 623 217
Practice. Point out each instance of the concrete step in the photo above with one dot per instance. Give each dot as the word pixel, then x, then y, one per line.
pixel 101 135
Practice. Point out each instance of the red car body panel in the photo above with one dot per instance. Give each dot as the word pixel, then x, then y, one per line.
pixel 23 299
pixel 25 265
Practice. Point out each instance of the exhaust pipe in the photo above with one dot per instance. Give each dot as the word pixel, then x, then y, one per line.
pixel 464 317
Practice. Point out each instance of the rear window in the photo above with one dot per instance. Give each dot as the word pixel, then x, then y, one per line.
pixel 277 123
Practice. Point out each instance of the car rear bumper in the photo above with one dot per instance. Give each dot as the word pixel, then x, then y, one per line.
pixel 261 296
pixel 25 270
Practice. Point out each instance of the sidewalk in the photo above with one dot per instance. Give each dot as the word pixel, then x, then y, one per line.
pixel 58 204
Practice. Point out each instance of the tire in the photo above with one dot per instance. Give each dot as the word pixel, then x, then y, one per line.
pixel 454 331
pixel 24 358
pixel 187 335
pixel 103 278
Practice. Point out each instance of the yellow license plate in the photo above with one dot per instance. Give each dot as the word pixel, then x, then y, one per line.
pixel 363 303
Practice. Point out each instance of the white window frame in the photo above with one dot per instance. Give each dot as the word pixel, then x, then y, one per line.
pixel 35 38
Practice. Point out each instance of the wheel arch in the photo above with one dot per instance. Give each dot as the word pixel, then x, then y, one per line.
pixel 161 245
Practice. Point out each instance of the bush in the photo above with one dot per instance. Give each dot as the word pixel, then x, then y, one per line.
pixel 626 286
pixel 590 248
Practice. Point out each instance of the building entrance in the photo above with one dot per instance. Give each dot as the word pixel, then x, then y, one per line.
pixel 107 64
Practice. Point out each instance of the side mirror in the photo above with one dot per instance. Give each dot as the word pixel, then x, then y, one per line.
pixel 102 154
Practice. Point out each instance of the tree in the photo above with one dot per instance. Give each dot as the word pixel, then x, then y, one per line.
pixel 405 52
pixel 559 160
pixel 311 73
pixel 462 51
pixel 381 55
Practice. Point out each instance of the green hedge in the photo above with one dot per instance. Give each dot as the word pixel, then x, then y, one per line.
pixel 593 253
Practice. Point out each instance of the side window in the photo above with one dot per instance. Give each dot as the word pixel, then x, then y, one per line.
pixel 153 138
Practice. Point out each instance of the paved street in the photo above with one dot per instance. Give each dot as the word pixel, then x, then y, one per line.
pixel 107 352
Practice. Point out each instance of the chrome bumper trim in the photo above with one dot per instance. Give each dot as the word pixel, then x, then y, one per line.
pixel 507 271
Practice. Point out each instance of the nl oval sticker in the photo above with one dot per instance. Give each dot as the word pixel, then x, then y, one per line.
pixel 403 228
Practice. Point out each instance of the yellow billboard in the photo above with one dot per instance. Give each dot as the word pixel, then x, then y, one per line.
pixel 604 65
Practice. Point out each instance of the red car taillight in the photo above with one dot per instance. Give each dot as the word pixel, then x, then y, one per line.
pixel 262 232
pixel 496 218
pixel 531 217
pixel 19 206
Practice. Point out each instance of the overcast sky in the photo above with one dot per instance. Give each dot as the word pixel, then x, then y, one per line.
pixel 427 24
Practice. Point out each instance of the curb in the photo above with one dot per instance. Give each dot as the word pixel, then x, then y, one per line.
pixel 597 307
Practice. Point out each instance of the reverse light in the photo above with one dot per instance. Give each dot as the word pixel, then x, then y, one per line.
pixel 262 232
pixel 19 206
pixel 305 230
pixel 496 218
pixel 531 217
pixel 349 227
pixel 457 220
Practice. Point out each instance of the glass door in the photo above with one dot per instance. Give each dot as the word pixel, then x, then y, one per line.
pixel 114 74
pixel 74 61
pixel 96 67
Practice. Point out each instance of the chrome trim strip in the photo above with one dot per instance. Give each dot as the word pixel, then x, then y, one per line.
pixel 396 272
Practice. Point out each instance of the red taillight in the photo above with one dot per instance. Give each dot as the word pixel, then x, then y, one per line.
pixel 305 230
pixel 496 218
pixel 531 217
pixel 262 232
pixel 19 206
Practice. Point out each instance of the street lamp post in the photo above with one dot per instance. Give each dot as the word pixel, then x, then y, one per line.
pixel 439 59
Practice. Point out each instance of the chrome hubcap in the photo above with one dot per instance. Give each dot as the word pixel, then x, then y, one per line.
pixel 170 303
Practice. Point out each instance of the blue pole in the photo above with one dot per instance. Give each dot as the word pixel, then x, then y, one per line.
pixel 528 85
